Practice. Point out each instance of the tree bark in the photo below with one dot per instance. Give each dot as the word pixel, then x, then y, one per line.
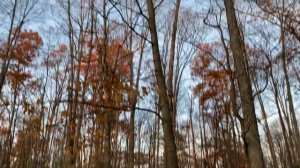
pixel 169 139
pixel 289 93
pixel 249 127
pixel 71 125
pixel 267 130
pixel 281 121
pixel 171 64
pixel 132 114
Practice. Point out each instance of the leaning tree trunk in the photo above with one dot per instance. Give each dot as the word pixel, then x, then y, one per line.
pixel 169 139
pixel 249 125
pixel 296 135
pixel 267 130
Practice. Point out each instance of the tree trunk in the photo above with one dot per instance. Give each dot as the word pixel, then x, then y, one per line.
pixel 285 137
pixel 71 154
pixel 193 134
pixel 171 64
pixel 169 139
pixel 294 122
pixel 249 126
pixel 233 100
pixel 267 129
pixel 132 114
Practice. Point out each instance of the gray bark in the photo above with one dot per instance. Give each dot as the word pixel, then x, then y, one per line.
pixel 169 139
pixel 171 63
pixel 250 132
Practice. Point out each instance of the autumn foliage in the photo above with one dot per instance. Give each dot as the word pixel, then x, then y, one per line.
pixel 209 65
pixel 117 59
pixel 135 84
pixel 23 52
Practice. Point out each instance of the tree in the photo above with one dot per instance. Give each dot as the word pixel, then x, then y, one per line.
pixel 131 83
pixel 249 124
pixel 22 55
pixel 169 139
pixel 16 24
pixel 171 63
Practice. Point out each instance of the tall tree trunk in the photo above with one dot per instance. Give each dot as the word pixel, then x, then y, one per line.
pixel 169 139
pixel 296 136
pixel 284 132
pixel 132 114
pixel 171 64
pixel 267 129
pixel 71 154
pixel 193 134
pixel 233 100
pixel 249 126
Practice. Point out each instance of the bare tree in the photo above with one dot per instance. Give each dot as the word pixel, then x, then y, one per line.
pixel 169 139
pixel 250 132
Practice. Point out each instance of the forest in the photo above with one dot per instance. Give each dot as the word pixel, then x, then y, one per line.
pixel 149 83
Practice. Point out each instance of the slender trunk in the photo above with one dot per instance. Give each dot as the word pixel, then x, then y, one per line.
pixel 108 113
pixel 267 129
pixel 6 159
pixel 139 144
pixel 170 146
pixel 71 154
pixel 171 63
pixel 132 114
pixel 233 97
pixel 131 139
pixel 294 122
pixel 285 137
pixel 157 142
pixel 193 136
pixel 249 127
pixel 11 41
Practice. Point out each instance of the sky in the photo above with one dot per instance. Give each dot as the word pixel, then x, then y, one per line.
pixel 47 18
